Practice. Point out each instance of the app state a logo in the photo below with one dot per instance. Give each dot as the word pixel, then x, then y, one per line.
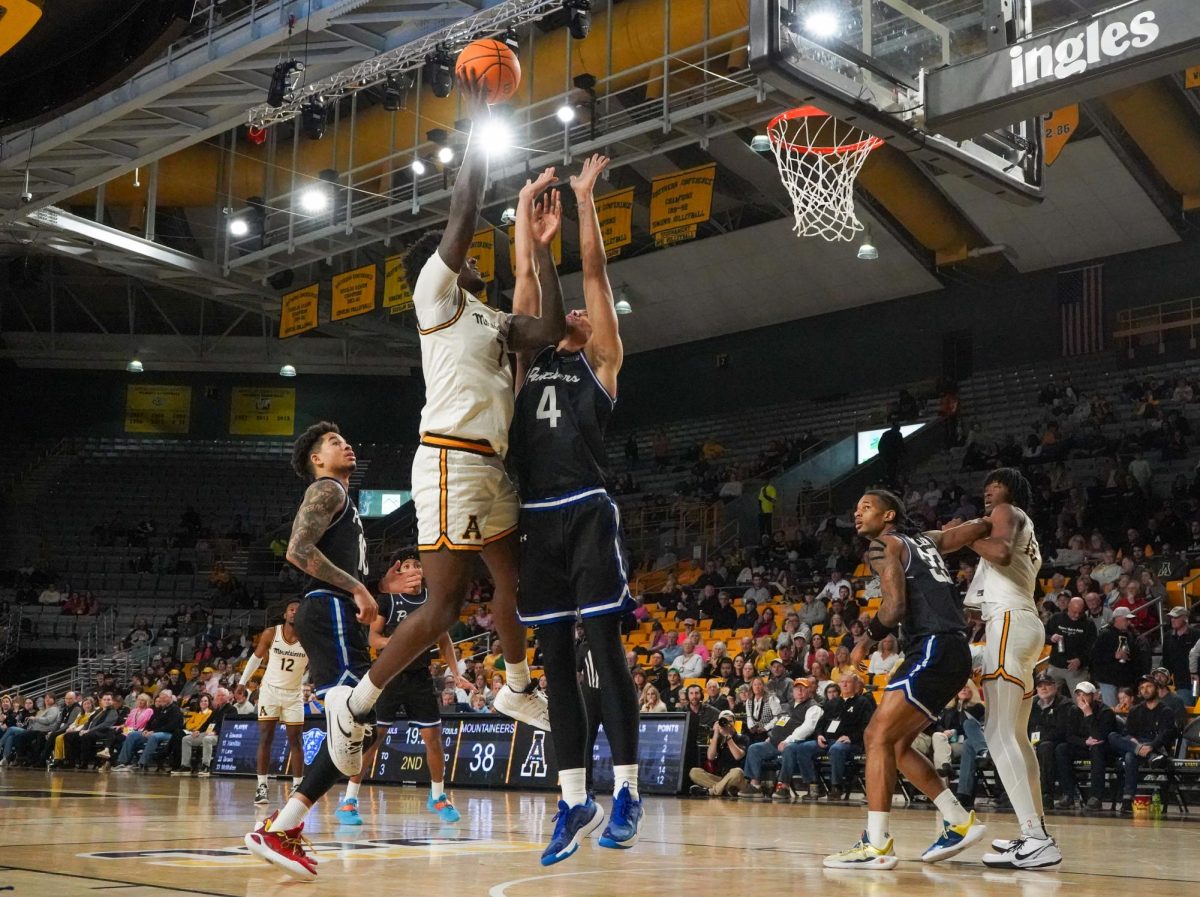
pixel 535 759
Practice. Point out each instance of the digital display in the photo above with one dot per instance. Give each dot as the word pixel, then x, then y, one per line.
pixel 486 751
pixel 868 441
pixel 381 502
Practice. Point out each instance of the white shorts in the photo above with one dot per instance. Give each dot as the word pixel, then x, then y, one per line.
pixel 1013 645
pixel 286 706
pixel 463 496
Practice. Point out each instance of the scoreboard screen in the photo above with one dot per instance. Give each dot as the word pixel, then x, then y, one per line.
pixel 483 751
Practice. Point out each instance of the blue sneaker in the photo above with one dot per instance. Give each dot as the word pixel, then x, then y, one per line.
pixel 622 830
pixel 571 826
pixel 443 808
pixel 954 839
pixel 347 813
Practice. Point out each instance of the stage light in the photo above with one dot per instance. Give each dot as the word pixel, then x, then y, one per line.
pixel 439 71
pixel 393 93
pixel 283 82
pixel 418 167
pixel 314 200
pixel 445 155
pixel 239 227
pixel 566 113
pixel 579 21
pixel 822 23
pixel 496 135
pixel 313 115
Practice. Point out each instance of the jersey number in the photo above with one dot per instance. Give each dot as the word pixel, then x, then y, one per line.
pixel 547 408
pixel 287 664
pixel 933 560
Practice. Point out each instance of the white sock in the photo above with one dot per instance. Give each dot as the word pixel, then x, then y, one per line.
pixel 364 696
pixel 573 783
pixel 290 816
pixel 626 775
pixel 437 789
pixel 877 828
pixel 1034 828
pixel 516 675
pixel 952 811
pixel 264 780
pixel 352 789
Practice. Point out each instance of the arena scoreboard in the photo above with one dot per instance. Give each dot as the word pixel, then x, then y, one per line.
pixel 482 751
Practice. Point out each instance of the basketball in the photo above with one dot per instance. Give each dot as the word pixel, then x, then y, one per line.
pixel 495 64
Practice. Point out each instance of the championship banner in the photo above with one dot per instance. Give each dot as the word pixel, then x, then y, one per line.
pixel 262 412
pixel 353 293
pixel 1059 127
pixel 396 293
pixel 483 250
pixel 675 235
pixel 298 311
pixel 158 409
pixel 615 212
pixel 681 200
pixel 1191 78
pixel 555 248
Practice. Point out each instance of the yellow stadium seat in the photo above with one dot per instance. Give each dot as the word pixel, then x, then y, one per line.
pixel 819 629
pixel 529 652
pixel 694 680
pixel 705 625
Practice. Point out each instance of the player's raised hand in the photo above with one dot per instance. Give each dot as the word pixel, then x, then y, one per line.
pixel 547 217
pixel 475 97
pixel 534 187
pixel 584 183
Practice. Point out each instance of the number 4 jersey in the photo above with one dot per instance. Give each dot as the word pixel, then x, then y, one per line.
pixel 558 427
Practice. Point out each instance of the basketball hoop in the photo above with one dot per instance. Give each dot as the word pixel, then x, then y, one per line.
pixel 819 157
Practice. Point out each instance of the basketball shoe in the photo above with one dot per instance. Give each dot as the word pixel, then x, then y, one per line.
pixel 571 826
pixel 347 812
pixel 345 733
pixel 864 855
pixel 443 807
pixel 1025 853
pixel 954 839
pixel 284 849
pixel 528 706
pixel 622 829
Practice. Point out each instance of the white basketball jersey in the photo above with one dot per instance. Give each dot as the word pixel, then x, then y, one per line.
pixel 464 354
pixel 996 589
pixel 286 664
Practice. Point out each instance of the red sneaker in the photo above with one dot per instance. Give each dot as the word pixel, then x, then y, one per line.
pixel 285 849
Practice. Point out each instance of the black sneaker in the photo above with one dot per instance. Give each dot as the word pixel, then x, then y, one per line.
pixel 1127 806
pixel 1093 803
pixel 1065 803
pixel 698 791
pixel 1157 761
pixel 731 792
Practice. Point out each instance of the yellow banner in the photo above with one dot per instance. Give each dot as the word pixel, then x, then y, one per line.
pixel 675 235
pixel 1191 78
pixel 158 409
pixel 396 293
pixel 262 412
pixel 682 199
pixel 483 250
pixel 298 311
pixel 1059 127
pixel 353 293
pixel 616 220
pixel 555 248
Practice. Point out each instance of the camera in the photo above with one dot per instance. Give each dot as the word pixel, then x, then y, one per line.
pixel 26 198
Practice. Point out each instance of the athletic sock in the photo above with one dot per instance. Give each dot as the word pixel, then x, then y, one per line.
pixel 627 776
pixel 364 696
pixel 352 789
pixel 952 811
pixel 516 675
pixel 573 783
pixel 437 789
pixel 290 816
pixel 264 780
pixel 1034 828
pixel 877 828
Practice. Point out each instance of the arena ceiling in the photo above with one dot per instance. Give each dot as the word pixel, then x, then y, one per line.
pixel 122 248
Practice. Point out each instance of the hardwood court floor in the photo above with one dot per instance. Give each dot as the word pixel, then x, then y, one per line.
pixel 69 834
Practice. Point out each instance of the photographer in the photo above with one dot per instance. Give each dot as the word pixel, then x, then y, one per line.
pixel 721 773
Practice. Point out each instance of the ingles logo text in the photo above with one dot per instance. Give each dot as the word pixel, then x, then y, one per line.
pixel 1072 55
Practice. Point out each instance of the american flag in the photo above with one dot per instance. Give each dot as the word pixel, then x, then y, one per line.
pixel 1081 310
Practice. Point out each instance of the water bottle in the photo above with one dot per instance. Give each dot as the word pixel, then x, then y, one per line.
pixel 1156 806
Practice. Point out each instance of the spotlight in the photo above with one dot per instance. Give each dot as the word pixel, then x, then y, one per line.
pixel 287 371
pixel 239 227
pixel 439 71
pixel 566 113
pixel 445 155
pixel 134 367
pixel 760 143
pixel 313 115
pixel 496 134
pixel 866 250
pixel 508 216
pixel 822 23
pixel 579 21
pixel 393 93
pixel 283 82
pixel 418 167
pixel 314 199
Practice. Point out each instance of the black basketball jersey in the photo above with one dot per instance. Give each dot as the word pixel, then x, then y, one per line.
pixel 393 609
pixel 557 434
pixel 343 543
pixel 934 606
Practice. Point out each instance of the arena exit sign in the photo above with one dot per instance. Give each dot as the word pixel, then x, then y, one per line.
pixel 1128 45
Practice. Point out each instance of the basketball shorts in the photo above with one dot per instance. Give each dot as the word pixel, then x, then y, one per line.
pixel 286 706
pixel 571 559
pixel 1013 644
pixel 463 496
pixel 409 695
pixel 335 642
pixel 933 670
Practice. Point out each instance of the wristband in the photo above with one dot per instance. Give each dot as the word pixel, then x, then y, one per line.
pixel 877 632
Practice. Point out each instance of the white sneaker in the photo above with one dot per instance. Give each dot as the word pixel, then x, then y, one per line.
pixel 1004 845
pixel 528 706
pixel 1026 853
pixel 261 796
pixel 345 734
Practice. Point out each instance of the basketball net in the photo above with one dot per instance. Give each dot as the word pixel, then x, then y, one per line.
pixel 819 158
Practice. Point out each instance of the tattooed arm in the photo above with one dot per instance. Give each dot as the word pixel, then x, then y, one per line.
pixel 322 500
pixel 950 539
pixel 886 557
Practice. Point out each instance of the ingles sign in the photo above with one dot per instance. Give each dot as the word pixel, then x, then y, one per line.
pixel 1130 45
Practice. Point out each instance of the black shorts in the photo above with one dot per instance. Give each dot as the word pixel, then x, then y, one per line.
pixel 933 671
pixel 572 559
pixel 409 695
pixel 335 642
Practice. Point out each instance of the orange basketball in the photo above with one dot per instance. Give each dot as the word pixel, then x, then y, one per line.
pixel 495 64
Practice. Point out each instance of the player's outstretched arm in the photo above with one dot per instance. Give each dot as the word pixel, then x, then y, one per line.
pixel 322 500
pixel 952 538
pixel 527 332
pixel 997 548
pixel 256 659
pixel 466 199
pixel 527 294
pixel 605 350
